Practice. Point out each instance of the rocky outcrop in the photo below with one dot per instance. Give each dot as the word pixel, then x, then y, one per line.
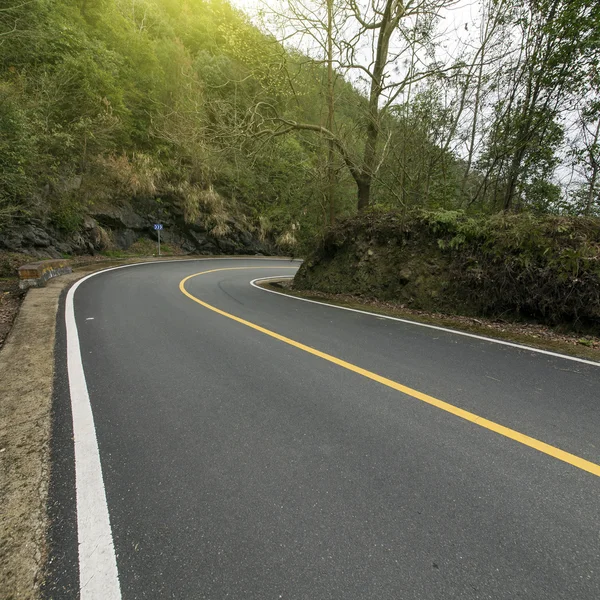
pixel 119 227
pixel 40 239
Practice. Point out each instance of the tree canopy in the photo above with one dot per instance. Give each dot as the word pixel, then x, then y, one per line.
pixel 104 100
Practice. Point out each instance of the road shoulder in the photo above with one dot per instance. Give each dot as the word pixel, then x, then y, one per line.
pixel 26 380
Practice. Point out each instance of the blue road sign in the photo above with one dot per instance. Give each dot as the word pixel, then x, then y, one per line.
pixel 158 226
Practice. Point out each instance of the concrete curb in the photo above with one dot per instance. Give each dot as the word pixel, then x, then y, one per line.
pixel 38 273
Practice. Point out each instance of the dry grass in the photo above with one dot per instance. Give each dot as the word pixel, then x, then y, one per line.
pixel 205 206
pixel 265 228
pixel 190 201
pixel 138 175
pixel 287 240
pixel 218 214
pixel 220 230
pixel 105 239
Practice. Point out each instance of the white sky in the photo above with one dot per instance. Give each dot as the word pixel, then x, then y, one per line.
pixel 458 25
pixel 465 11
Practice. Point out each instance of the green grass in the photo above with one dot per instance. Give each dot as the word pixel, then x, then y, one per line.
pixel 115 254
pixel 141 248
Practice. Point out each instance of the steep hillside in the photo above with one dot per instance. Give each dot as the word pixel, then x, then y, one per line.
pixel 183 111
pixel 139 107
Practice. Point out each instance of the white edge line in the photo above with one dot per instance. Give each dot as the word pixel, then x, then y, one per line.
pixel 254 283
pixel 98 574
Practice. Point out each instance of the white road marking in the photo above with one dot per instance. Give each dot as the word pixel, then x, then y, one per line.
pixel 98 573
pixel 254 283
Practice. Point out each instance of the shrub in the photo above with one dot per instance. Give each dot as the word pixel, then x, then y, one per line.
pixel 547 268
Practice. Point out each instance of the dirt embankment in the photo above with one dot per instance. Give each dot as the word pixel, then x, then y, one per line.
pixel 517 267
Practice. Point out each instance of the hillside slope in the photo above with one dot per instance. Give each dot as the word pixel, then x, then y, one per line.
pixel 139 107
pixel 514 266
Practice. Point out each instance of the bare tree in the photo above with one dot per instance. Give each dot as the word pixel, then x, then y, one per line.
pixel 586 156
pixel 383 46
pixel 490 51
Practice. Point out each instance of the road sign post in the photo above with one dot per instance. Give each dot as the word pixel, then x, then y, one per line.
pixel 157 228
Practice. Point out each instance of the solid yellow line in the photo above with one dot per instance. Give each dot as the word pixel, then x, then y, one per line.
pixel 526 440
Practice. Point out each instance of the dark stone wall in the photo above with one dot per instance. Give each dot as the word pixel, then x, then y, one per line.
pixel 120 227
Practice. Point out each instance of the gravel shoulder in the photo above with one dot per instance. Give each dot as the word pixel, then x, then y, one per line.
pixel 26 379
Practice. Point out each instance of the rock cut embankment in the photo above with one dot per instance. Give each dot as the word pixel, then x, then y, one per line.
pixel 545 269
pixel 118 227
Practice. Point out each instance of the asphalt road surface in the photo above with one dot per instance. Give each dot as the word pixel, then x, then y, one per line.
pixel 254 446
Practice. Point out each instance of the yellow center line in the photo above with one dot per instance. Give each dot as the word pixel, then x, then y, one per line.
pixel 526 440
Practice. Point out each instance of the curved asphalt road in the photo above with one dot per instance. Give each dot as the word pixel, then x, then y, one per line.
pixel 238 466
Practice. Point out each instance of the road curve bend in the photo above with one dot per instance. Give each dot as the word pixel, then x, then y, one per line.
pixel 231 443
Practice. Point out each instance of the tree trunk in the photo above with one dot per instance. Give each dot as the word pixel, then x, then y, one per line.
pixel 368 166
pixel 511 185
pixel 594 176
pixel 389 21
pixel 330 114
pixel 465 179
pixel 591 193
pixel 364 192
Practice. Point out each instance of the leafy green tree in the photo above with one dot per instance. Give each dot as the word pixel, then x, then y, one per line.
pixel 557 45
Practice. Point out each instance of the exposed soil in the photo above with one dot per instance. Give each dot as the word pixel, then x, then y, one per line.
pixel 26 377
pixel 517 267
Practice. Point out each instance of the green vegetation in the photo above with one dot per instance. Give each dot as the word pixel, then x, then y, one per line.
pixel 185 109
pixel 143 247
pixel 501 112
pixel 107 101
pixel 514 266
